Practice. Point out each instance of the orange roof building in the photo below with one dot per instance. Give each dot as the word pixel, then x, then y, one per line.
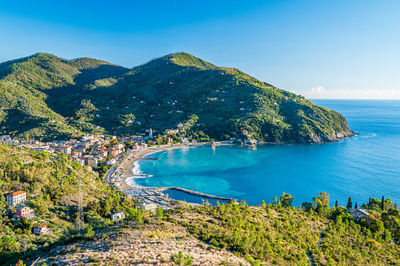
pixel 16 198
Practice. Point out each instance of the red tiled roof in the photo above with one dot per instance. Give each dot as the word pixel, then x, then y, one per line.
pixel 17 193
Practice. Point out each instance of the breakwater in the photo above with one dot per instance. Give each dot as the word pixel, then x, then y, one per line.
pixel 196 193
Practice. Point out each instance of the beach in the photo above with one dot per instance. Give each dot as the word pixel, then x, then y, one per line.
pixel 129 168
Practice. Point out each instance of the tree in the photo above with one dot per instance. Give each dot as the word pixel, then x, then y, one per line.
pixel 263 205
pixel 383 203
pixel 139 219
pixel 286 199
pixel 8 243
pixel 376 226
pixel 356 206
pixel 396 207
pixel 336 204
pixel 159 213
pixel 349 203
pixel 321 203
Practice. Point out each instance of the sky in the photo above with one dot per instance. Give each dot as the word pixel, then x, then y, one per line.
pixel 318 48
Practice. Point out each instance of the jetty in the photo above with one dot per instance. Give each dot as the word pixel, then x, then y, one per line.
pixel 196 193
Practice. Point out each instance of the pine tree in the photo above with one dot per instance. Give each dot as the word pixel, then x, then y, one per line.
pixel 349 203
pixel 336 204
pixel 383 203
pixel 356 206
pixel 396 207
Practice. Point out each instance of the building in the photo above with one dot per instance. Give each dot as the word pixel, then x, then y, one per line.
pixel 23 211
pixel 91 161
pixel 66 150
pixel 118 216
pixel 11 142
pixel 113 152
pixel 81 161
pixel 16 198
pixel 358 214
pixel 41 230
pixel 147 206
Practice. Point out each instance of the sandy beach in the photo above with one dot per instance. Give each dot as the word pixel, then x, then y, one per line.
pixel 127 170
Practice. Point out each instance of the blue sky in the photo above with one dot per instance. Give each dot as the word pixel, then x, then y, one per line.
pixel 321 49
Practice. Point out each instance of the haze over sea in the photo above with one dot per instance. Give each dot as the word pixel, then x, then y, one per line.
pixel 367 165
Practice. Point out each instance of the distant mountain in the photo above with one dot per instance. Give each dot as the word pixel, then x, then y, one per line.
pixel 45 96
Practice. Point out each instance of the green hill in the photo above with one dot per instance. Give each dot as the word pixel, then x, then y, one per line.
pixel 38 92
pixel 51 183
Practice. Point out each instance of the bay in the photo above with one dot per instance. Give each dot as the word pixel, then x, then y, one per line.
pixel 363 166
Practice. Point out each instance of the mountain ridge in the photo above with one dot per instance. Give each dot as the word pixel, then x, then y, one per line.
pixel 167 91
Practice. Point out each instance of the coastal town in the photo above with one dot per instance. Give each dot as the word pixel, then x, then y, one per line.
pixel 89 150
pixel 117 153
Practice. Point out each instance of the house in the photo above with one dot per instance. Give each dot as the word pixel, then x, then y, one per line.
pixel 5 138
pixel 81 161
pixel 16 198
pixel 41 230
pixel 66 150
pixel 118 216
pixel 113 152
pixel 111 161
pixel 358 214
pixel 23 211
pixel 11 142
pixel 76 154
pixel 147 206
pixel 91 161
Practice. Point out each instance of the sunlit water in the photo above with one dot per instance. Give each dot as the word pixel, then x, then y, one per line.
pixel 367 165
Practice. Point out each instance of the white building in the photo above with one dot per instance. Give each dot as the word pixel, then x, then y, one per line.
pixel 118 216
pixel 41 230
pixel 16 198
pixel 147 206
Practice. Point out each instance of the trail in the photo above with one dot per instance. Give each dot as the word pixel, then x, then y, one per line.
pixel 320 240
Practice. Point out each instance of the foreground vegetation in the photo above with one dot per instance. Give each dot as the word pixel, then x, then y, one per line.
pixel 51 182
pixel 164 93
pixel 281 234
pixel 273 233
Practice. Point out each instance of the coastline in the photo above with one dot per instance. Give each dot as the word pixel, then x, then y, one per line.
pixel 127 170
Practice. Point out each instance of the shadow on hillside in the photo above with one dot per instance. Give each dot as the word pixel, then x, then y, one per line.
pixel 63 99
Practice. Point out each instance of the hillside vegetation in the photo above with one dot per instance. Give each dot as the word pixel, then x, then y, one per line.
pixel 234 233
pixel 238 234
pixel 47 97
pixel 52 186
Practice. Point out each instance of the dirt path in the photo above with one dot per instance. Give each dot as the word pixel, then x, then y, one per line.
pixel 320 240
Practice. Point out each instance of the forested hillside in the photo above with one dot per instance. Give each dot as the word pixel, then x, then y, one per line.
pixel 52 185
pixel 47 97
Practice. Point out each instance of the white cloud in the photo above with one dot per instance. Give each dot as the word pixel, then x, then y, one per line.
pixel 322 93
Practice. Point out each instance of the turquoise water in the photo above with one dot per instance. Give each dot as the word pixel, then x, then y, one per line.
pixel 362 166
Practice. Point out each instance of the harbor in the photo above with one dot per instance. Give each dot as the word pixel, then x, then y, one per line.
pixel 123 176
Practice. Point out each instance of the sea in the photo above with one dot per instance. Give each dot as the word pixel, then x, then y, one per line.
pixel 363 166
